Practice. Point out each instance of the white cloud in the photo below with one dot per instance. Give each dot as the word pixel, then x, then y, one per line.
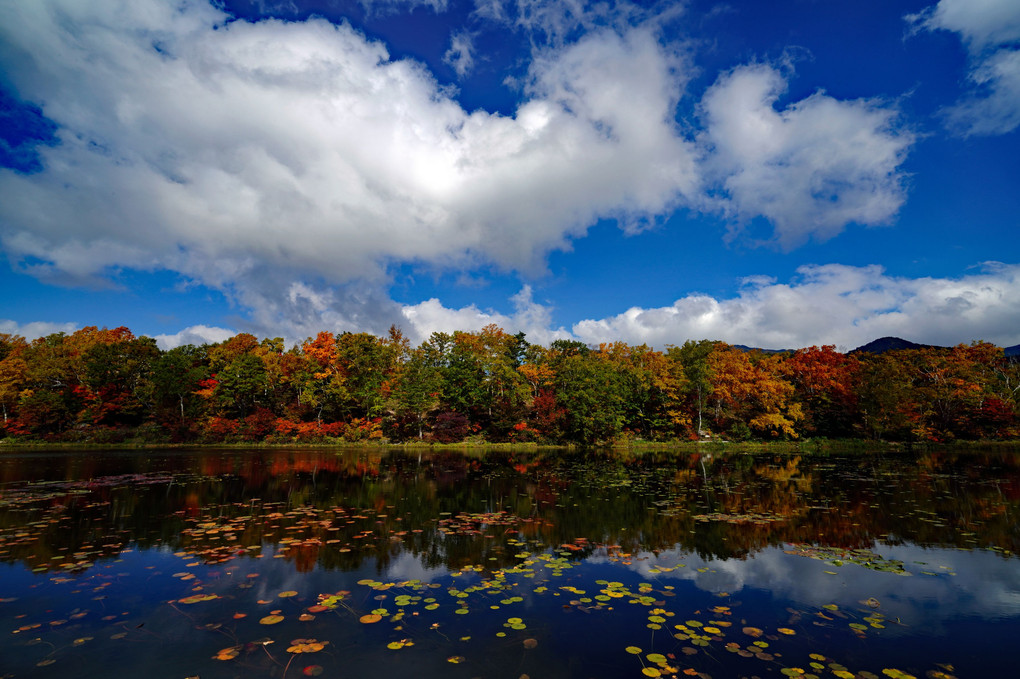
pixel 292 164
pixel 195 334
pixel 247 154
pixel 995 108
pixel 983 582
pixel 550 23
pixel 990 29
pixel 384 6
pixel 824 304
pixel 554 23
pixel 530 317
pixel 461 55
pixel 832 304
pixel 981 23
pixel 35 329
pixel 811 168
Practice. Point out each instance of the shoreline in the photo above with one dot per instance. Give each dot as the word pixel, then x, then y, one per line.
pixel 715 446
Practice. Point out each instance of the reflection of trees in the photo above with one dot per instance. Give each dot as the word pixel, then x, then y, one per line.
pixel 454 509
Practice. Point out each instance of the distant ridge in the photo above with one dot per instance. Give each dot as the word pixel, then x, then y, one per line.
pixel 884 344
pixel 880 346
pixel 744 347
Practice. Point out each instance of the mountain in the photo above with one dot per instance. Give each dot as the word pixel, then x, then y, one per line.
pixel 744 347
pixel 880 346
pixel 884 344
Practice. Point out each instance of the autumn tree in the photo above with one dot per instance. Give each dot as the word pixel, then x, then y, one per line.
pixel 13 370
pixel 825 383
pixel 481 381
pixel 886 396
pixel 750 391
pixel 955 389
pixel 241 381
pixel 116 374
pixel 366 363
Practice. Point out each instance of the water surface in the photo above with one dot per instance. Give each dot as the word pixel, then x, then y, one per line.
pixel 356 563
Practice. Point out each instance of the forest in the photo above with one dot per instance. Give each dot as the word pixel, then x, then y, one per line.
pixel 109 386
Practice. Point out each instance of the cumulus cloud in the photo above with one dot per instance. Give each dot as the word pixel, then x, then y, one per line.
pixel 195 334
pixel 239 153
pixel 811 168
pixel 530 317
pixel 824 304
pixel 832 304
pixel 991 30
pixel 35 329
pixel 292 165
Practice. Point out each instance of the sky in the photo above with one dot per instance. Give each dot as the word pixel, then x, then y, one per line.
pixel 771 173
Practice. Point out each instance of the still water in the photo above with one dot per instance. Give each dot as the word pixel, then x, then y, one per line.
pixel 373 563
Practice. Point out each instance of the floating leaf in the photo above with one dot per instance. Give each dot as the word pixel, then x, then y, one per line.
pixel 312 671
pixel 397 645
pixel 288 593
pixel 786 630
pixel 897 674
pixel 633 650
pixel 197 598
pixel 651 672
pixel 228 653
pixel 271 619
pixel 370 618
pixel 752 632
pixel 530 643
pixel 306 646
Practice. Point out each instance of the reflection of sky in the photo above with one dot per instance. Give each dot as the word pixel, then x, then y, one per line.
pixel 407 566
pixel 978 584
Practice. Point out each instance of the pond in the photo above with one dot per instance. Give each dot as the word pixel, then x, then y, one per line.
pixel 374 562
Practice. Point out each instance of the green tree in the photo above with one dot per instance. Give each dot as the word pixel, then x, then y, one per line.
pixel 176 376
pixel 697 372
pixel 242 384
pixel 418 388
pixel 592 393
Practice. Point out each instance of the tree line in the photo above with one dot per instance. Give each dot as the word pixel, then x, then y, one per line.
pixel 108 386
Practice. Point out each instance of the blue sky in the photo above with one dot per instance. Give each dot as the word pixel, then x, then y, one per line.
pixel 777 174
